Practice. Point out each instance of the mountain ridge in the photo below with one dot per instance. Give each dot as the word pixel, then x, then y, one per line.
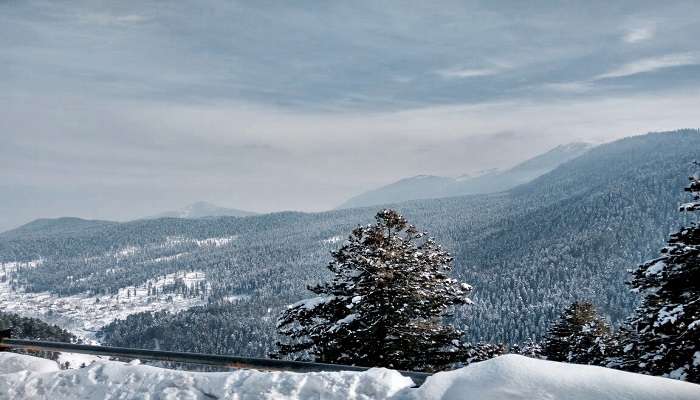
pixel 202 209
pixel 569 234
pixel 488 181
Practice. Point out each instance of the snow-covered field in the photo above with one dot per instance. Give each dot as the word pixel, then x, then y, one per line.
pixel 84 315
pixel 506 377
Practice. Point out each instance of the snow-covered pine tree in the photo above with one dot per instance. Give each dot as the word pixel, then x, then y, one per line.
pixel 580 336
pixel 529 348
pixel 385 306
pixel 480 352
pixel 662 337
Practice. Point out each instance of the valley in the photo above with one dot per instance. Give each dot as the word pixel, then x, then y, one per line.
pixel 528 252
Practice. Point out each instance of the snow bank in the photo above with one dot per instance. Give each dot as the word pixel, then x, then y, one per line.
pixel 518 377
pixel 506 377
pixel 11 363
pixel 27 378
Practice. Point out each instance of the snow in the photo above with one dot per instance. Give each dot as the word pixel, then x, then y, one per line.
pixel 669 316
pixel 518 377
pixel 312 303
pixel 75 360
pixel 127 251
pixel 166 258
pixel 332 240
pixel 11 363
pixel 655 269
pixel 219 241
pixel 170 242
pixel 694 324
pixel 215 241
pixel 109 379
pixel 505 377
pixel 343 321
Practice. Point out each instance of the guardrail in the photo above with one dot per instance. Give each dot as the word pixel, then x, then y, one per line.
pixel 264 364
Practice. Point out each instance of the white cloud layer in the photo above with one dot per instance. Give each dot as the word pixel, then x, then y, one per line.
pixel 460 73
pixel 122 109
pixel 640 34
pixel 652 64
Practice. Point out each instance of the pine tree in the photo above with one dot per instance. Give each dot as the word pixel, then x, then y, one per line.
pixel 385 306
pixel 662 336
pixel 580 336
pixel 529 348
pixel 480 352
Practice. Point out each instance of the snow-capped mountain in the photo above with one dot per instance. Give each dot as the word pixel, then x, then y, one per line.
pixel 488 181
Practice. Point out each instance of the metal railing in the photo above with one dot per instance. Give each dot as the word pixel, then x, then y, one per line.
pixel 264 364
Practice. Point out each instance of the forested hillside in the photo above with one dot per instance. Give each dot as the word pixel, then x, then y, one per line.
pixel 570 234
pixel 32 328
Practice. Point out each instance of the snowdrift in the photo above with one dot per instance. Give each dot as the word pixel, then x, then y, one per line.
pixel 505 377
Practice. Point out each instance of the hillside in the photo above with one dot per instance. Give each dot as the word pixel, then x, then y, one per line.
pixel 55 227
pixel 35 329
pixel 569 234
pixel 491 181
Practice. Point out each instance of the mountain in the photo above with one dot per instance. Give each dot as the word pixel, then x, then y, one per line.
pixel 490 181
pixel 52 227
pixel 202 209
pixel 570 234
pixel 416 187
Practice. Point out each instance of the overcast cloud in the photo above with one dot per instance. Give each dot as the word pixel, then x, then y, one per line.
pixel 116 110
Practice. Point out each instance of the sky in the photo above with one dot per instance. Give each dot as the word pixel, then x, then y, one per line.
pixel 118 110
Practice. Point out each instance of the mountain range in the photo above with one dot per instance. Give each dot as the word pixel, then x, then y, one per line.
pixel 490 181
pixel 569 234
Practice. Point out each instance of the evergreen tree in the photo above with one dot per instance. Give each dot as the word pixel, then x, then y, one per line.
pixel 530 348
pixel 663 334
pixel 385 306
pixel 19 327
pixel 480 352
pixel 580 336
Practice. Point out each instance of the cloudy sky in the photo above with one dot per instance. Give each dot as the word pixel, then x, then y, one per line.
pixel 116 110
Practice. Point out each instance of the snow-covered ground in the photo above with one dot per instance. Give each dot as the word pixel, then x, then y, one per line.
pixel 506 377
pixel 207 242
pixel 170 242
pixel 84 315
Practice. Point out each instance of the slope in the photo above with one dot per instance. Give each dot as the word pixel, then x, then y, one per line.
pixel 431 187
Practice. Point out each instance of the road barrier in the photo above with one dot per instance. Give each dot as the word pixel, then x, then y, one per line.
pixel 263 364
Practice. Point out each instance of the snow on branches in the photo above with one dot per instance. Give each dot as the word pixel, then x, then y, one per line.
pixel 385 305
pixel 663 334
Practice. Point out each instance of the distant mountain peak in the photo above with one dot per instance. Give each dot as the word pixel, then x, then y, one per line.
pixel 480 182
pixel 49 226
pixel 203 209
